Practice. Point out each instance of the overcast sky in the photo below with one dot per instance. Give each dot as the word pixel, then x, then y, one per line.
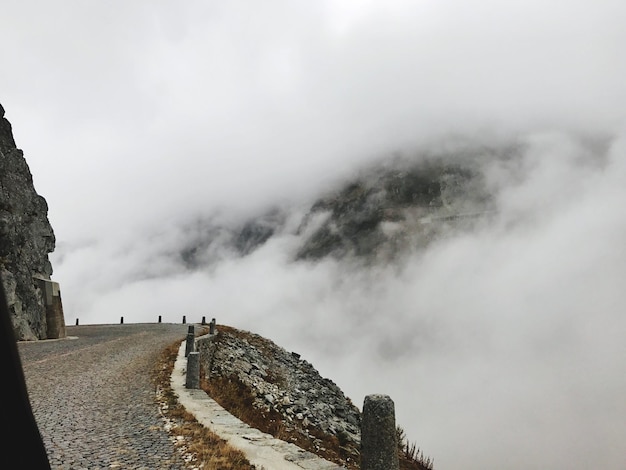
pixel 503 348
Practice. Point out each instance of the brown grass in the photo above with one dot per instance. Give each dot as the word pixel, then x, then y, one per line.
pixel 205 450
pixel 202 448
pixel 237 398
pixel 411 457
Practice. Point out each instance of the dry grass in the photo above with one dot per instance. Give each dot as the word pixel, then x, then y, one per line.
pixel 205 450
pixel 236 397
pixel 411 457
pixel 200 447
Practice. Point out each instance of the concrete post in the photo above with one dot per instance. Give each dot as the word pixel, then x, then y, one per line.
pixel 121 320
pixel 77 322
pixel 53 306
pixel 193 370
pixel 191 341
pixel 379 446
pixel 184 319
pixel 212 327
pixel 159 318
pixel 204 320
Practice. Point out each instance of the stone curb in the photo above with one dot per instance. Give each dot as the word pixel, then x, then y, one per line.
pixel 261 449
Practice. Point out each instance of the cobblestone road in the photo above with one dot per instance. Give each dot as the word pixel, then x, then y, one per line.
pixel 93 398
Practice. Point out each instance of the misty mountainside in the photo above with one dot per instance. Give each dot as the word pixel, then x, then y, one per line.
pixel 26 239
pixel 395 204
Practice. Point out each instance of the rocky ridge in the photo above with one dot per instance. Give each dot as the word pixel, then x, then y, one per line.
pixel 394 205
pixel 284 383
pixel 26 238
pixel 398 205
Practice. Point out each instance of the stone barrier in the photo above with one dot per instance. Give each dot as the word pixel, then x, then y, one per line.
pixel 193 370
pixel 379 446
pixel 53 305
pixel 205 346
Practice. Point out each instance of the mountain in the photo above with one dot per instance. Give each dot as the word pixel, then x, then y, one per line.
pixel 399 203
pixel 26 239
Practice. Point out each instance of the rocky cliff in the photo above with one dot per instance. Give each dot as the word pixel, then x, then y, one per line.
pixel 398 204
pixel 26 239
pixel 294 402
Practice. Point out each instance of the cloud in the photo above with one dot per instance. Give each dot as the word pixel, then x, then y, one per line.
pixel 500 346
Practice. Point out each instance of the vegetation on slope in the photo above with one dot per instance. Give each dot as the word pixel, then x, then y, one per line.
pixel 238 398
pixel 200 447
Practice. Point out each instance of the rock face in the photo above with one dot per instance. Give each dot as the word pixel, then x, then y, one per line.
pixel 285 383
pixel 398 206
pixel 376 215
pixel 26 239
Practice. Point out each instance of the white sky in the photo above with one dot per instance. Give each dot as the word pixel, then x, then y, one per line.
pixel 502 348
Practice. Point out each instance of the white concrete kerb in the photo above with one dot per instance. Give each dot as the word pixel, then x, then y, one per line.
pixel 261 449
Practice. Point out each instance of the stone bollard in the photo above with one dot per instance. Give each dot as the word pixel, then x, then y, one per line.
pixel 184 319
pixel 193 370
pixel 159 318
pixel 190 346
pixel 379 446
pixel 204 320
pixel 50 296
pixel 77 322
pixel 212 328
pixel 121 320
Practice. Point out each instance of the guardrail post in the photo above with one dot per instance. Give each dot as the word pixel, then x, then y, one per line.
pixel 379 446
pixel 191 340
pixel 193 370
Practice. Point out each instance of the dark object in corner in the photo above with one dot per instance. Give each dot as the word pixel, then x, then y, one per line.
pixel 22 431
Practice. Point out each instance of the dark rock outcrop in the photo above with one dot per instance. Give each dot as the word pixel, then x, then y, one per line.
pixel 209 241
pixel 284 383
pixel 396 205
pixel 26 239
pixel 296 402
pixel 403 204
